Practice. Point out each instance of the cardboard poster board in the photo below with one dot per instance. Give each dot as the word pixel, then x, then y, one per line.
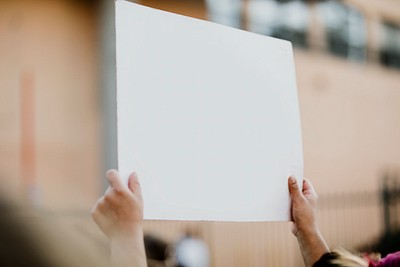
pixel 208 117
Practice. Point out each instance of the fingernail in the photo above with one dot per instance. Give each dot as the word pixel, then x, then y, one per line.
pixel 292 180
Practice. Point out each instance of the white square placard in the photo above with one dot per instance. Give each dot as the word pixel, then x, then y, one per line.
pixel 208 117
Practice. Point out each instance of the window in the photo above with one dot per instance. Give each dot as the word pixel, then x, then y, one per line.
pixel 287 20
pixel 389 53
pixel 262 16
pixel 227 12
pixel 345 30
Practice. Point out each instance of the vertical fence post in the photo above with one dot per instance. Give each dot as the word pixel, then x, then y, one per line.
pixel 385 194
pixel 396 198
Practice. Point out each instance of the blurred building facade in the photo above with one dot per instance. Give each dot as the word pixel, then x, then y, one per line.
pixel 57 135
pixel 50 104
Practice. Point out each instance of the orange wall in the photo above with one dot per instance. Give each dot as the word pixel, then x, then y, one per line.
pixel 351 121
pixel 191 8
pixel 56 43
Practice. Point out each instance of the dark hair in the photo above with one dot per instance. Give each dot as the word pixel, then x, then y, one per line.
pixel 29 239
pixel 340 258
pixel 156 248
pixel 326 260
pixel 17 245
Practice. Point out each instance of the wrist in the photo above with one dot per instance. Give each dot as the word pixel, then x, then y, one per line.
pixel 308 230
pixel 128 235
pixel 128 250
pixel 312 244
pixel 313 238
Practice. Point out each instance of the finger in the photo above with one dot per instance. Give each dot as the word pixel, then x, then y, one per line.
pixel 134 185
pixel 114 179
pixel 308 188
pixel 294 188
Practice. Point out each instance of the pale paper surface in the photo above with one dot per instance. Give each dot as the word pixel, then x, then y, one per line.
pixel 208 117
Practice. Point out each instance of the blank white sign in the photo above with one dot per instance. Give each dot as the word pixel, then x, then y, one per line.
pixel 208 117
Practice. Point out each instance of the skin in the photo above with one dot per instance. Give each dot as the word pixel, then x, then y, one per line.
pixel 305 228
pixel 119 215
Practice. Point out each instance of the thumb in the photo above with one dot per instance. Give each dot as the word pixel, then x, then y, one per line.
pixel 114 179
pixel 294 189
pixel 134 185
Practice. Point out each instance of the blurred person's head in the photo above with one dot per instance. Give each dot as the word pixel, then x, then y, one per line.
pixel 340 258
pixel 156 249
pixel 27 239
pixel 158 252
pixel 343 258
pixel 18 246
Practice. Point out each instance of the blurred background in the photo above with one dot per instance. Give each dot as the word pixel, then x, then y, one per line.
pixel 58 121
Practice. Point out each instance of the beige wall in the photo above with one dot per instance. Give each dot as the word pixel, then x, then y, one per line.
pixel 351 121
pixel 56 42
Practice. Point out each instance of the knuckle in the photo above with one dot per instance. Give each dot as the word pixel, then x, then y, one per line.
pixel 119 192
pixel 108 198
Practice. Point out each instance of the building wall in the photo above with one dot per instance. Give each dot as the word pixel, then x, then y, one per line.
pixel 191 8
pixel 50 47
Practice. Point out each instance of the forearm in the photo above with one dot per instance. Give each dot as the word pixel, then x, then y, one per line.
pixel 312 246
pixel 128 251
